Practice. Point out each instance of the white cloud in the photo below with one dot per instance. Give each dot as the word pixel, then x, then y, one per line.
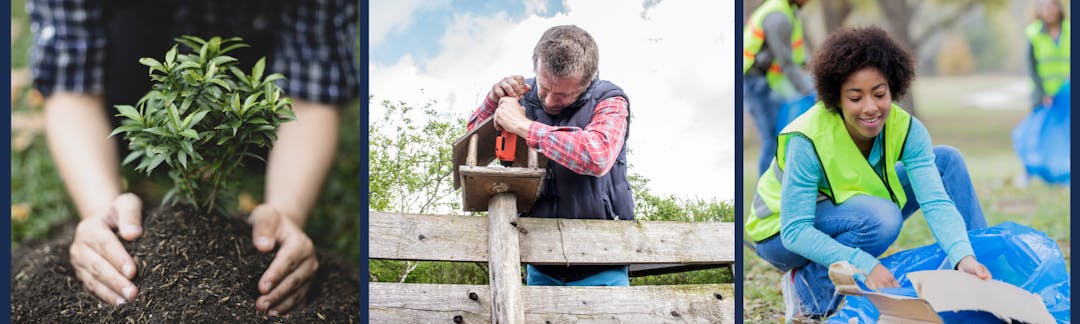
pixel 396 15
pixel 675 61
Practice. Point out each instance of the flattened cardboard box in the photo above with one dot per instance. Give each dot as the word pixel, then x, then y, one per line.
pixel 945 291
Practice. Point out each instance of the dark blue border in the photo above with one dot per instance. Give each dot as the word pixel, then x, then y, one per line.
pixel 365 153
pixel 737 111
pixel 6 284
pixel 1072 182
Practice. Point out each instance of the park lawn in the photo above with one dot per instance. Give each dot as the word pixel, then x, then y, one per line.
pixel 981 135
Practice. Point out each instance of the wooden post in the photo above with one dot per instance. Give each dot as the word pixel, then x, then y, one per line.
pixel 532 158
pixel 470 157
pixel 504 260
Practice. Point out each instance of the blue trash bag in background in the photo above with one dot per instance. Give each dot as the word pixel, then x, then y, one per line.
pixel 1042 140
pixel 792 109
pixel 1013 253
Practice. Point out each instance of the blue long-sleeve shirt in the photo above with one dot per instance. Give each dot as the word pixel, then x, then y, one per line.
pixel 803 176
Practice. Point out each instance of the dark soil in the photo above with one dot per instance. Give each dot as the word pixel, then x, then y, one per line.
pixel 191 268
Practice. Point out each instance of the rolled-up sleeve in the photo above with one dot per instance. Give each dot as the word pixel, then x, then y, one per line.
pixel 68 50
pixel 316 50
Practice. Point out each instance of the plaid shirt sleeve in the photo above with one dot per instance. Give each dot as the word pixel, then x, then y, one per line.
pixel 316 50
pixel 68 51
pixel 486 110
pixel 589 151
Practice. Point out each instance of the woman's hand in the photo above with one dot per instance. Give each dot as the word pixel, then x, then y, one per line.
pixel 880 277
pixel 970 265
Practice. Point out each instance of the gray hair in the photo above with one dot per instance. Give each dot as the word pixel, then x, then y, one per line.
pixel 566 51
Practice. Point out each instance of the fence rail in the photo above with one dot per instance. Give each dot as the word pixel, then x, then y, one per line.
pixel 435 303
pixel 552 241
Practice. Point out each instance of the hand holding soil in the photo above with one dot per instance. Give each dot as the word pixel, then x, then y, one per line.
pixel 286 282
pixel 100 261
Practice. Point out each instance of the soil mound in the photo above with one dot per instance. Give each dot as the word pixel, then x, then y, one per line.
pixel 191 267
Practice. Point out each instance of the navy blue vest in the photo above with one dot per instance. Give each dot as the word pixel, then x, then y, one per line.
pixel 566 194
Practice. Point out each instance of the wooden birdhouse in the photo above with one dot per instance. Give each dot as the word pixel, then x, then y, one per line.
pixel 473 154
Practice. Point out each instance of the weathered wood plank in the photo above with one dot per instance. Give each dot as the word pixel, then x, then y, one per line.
pixel 552 241
pixel 481 183
pixel 434 303
pixel 504 269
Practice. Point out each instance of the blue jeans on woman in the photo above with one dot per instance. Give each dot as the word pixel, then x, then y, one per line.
pixel 870 223
pixel 764 107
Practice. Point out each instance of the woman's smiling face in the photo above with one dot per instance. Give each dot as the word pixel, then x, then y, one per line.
pixel 865 101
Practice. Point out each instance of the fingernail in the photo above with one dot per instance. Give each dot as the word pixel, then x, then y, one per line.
pixel 119 301
pixel 128 292
pixel 128 229
pixel 274 313
pixel 129 269
pixel 266 304
pixel 266 286
pixel 263 241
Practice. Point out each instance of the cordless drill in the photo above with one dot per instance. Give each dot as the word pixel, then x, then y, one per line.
pixel 506 147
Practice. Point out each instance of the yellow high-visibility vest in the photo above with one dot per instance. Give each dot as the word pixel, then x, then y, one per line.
pixel 847 172
pixel 1051 58
pixel 754 39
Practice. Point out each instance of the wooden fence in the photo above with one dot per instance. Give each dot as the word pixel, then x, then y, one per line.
pixel 505 242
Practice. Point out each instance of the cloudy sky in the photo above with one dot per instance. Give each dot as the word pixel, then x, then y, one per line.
pixel 674 59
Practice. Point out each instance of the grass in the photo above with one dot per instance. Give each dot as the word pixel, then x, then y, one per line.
pixel 982 136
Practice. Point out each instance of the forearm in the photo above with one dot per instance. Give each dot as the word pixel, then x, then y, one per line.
pixel 77 129
pixel 301 158
pixel 940 211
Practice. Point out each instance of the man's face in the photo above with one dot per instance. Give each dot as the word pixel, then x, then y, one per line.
pixel 557 93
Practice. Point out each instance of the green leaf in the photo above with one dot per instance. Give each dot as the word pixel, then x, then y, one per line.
pixel 155 163
pixel 131 157
pixel 174 116
pixel 233 46
pixel 221 83
pixel 125 129
pixel 189 65
pixel 170 56
pixel 157 131
pixel 222 60
pixel 190 133
pixel 196 118
pixel 255 156
pixel 257 71
pixel 182 157
pixel 129 112
pixel 152 64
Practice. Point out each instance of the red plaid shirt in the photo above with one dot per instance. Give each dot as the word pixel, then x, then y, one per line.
pixel 590 151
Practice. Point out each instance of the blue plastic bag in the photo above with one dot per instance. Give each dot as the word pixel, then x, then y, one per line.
pixel 1042 140
pixel 1013 253
pixel 792 109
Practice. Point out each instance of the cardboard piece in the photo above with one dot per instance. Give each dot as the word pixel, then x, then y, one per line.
pixel 945 291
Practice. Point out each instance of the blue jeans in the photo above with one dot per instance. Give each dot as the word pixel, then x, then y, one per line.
pixel 764 106
pixel 614 277
pixel 849 224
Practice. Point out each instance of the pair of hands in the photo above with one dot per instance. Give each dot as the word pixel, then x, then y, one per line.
pixel 880 277
pixel 106 269
pixel 510 114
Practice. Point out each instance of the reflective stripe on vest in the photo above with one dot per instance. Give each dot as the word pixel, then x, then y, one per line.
pixel 754 40
pixel 847 172
pixel 1051 58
